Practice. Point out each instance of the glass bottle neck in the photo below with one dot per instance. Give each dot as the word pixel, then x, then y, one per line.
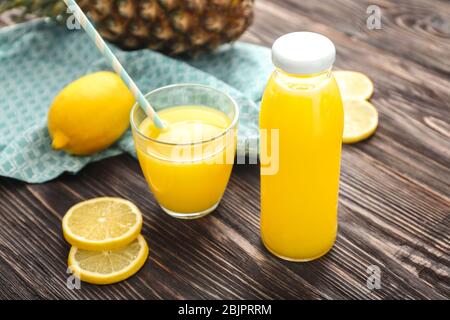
pixel 304 81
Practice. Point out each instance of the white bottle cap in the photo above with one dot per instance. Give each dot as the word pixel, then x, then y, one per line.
pixel 303 53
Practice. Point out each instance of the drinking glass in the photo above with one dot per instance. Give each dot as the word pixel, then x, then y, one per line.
pixel 187 179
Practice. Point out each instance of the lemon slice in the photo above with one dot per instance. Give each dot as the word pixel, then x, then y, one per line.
pixel 360 120
pixel 102 224
pixel 105 267
pixel 353 85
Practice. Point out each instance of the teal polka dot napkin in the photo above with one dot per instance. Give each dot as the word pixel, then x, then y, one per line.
pixel 39 58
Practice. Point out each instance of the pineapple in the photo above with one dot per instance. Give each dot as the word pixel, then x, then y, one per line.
pixel 173 27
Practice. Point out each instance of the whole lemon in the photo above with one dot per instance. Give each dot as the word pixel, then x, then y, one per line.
pixel 90 113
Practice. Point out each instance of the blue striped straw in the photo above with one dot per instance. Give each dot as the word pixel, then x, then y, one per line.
pixel 114 62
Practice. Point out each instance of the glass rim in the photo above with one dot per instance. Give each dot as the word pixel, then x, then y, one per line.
pixel 225 131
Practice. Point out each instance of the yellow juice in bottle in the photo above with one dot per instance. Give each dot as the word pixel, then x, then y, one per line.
pixel 301 101
pixel 187 165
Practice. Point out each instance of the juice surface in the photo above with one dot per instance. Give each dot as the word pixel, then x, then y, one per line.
pixel 299 202
pixel 187 124
pixel 185 173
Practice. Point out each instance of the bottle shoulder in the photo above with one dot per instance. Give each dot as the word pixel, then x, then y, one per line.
pixel 281 84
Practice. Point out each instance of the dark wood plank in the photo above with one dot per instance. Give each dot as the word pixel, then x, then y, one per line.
pixel 394 208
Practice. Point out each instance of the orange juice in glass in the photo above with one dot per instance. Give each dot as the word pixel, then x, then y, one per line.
pixel 187 165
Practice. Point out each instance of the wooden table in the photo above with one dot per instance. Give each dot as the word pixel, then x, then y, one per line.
pixel 394 199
